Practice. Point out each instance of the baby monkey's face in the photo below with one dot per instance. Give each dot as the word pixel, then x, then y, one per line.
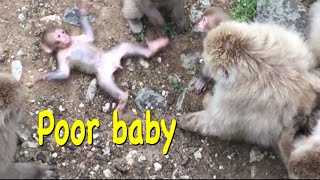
pixel 62 39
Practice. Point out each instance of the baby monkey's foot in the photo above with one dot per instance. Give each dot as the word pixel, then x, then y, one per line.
pixel 122 102
pixel 155 45
pixel 135 26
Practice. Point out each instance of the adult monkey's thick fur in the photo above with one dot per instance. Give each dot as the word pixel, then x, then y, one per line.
pixel 262 81
pixel 134 10
pixel 10 113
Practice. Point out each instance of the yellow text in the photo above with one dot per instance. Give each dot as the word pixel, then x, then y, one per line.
pixel 136 126
pixel 42 131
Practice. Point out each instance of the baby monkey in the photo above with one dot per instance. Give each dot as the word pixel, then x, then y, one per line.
pixel 212 17
pixel 80 53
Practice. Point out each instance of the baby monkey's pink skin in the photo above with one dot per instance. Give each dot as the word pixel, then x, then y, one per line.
pixel 80 53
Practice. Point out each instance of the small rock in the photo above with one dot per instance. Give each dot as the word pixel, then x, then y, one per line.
pixel 144 63
pixel 148 98
pixel 2 58
pixel 81 105
pixel 92 89
pixel 181 99
pixel 106 107
pixel 107 173
pixel 159 59
pixel 54 155
pixel 142 158
pixel 221 167
pixel 54 18
pixel 16 69
pixel 61 109
pixel 197 154
pixel 21 17
pixel 157 166
pixel 256 155
pixel 131 157
pixel 71 16
pixel 20 53
pixel 96 168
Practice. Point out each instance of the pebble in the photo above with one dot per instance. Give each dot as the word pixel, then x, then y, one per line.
pixel 106 107
pixel 142 158
pixel 159 59
pixel 107 173
pixel 22 17
pixel 157 166
pixel 81 105
pixel 54 155
pixel 61 109
pixel 20 53
pixel 131 157
pixel 96 168
pixel 144 63
pixel 197 154
pixel 54 17
pixel 16 69
pixel 92 89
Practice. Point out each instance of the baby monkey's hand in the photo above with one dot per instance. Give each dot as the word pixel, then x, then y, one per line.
pixel 84 9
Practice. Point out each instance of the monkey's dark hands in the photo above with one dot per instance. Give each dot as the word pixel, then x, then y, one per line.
pixel 84 9
pixel 200 85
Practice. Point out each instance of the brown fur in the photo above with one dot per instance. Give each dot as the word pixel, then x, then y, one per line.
pixel 304 159
pixel 262 81
pixel 134 10
pixel 11 99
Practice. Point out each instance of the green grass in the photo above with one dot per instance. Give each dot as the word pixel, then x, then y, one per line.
pixel 244 10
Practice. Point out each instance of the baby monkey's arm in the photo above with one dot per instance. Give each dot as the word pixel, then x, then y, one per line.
pixel 62 72
pixel 84 21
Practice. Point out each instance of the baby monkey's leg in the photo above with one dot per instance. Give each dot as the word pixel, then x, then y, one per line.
pixel 108 85
pixel 136 49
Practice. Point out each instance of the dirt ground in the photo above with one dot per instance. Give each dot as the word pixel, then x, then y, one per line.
pixel 190 155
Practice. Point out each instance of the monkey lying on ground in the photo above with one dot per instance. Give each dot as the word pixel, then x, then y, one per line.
pixel 11 99
pixel 212 17
pixel 262 81
pixel 134 10
pixel 79 52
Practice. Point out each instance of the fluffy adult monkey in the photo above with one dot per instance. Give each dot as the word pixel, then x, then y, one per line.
pixel 80 53
pixel 134 10
pixel 11 99
pixel 314 36
pixel 212 17
pixel 262 82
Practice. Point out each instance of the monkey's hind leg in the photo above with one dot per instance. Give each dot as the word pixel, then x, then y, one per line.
pixel 108 85
pixel 196 122
pixel 133 15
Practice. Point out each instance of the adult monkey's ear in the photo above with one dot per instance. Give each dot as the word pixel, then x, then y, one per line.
pixel 46 48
